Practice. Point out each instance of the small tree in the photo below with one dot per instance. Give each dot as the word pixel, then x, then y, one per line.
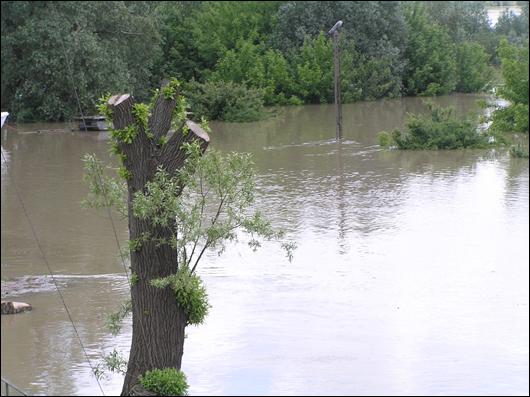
pixel 181 202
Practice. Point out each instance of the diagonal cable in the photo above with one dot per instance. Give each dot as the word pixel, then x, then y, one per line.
pixel 49 268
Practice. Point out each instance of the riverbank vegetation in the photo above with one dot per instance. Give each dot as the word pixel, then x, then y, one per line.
pixel 241 56
pixel 442 130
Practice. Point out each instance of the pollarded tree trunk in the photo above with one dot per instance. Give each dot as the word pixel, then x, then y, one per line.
pixel 158 321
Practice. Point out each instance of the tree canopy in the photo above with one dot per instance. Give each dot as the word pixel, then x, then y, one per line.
pixel 272 52
pixel 48 48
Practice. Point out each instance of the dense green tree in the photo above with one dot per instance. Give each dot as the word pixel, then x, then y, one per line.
pixel 514 63
pixel 513 27
pixel 278 86
pixel 180 55
pixel 367 22
pixel 271 52
pixel 431 55
pixel 219 25
pixel 258 67
pixel 376 76
pixel 463 20
pixel 474 73
pixel 308 73
pixel 314 70
pixel 374 33
pixel 514 72
pixel 48 48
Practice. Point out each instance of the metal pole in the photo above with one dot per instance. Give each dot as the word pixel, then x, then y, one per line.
pixel 338 104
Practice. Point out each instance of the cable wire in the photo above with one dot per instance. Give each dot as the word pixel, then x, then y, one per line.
pixel 48 266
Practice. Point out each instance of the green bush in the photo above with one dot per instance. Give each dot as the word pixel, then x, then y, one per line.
pixel 165 382
pixel 190 293
pixel 438 130
pixel 226 101
pixel 53 59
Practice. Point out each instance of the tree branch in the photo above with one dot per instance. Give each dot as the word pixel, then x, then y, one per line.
pixel 160 120
pixel 137 153
pixel 203 202
pixel 208 241
pixel 121 107
pixel 171 154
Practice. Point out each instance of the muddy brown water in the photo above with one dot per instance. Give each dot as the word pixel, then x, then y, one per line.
pixel 410 277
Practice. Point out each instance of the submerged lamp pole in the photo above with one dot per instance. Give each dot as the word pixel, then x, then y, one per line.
pixel 334 32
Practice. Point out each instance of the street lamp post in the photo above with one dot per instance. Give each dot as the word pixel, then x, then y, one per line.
pixel 334 32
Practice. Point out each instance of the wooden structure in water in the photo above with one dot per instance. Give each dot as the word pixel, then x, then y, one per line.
pixel 92 123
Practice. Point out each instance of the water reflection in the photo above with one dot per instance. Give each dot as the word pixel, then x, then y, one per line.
pixel 416 258
pixel 342 227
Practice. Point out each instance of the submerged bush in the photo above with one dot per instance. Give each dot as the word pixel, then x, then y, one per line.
pixel 441 129
pixel 228 101
pixel 385 139
pixel 165 382
pixel 518 151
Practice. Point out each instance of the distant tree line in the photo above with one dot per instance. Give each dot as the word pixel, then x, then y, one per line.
pixel 237 56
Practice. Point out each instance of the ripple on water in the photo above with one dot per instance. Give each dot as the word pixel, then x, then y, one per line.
pixel 38 284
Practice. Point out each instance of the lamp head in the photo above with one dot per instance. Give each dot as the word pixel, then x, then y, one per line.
pixel 335 27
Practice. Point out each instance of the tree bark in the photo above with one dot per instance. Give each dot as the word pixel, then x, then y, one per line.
pixel 158 321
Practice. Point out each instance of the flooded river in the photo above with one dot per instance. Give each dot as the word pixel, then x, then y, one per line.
pixel 410 277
